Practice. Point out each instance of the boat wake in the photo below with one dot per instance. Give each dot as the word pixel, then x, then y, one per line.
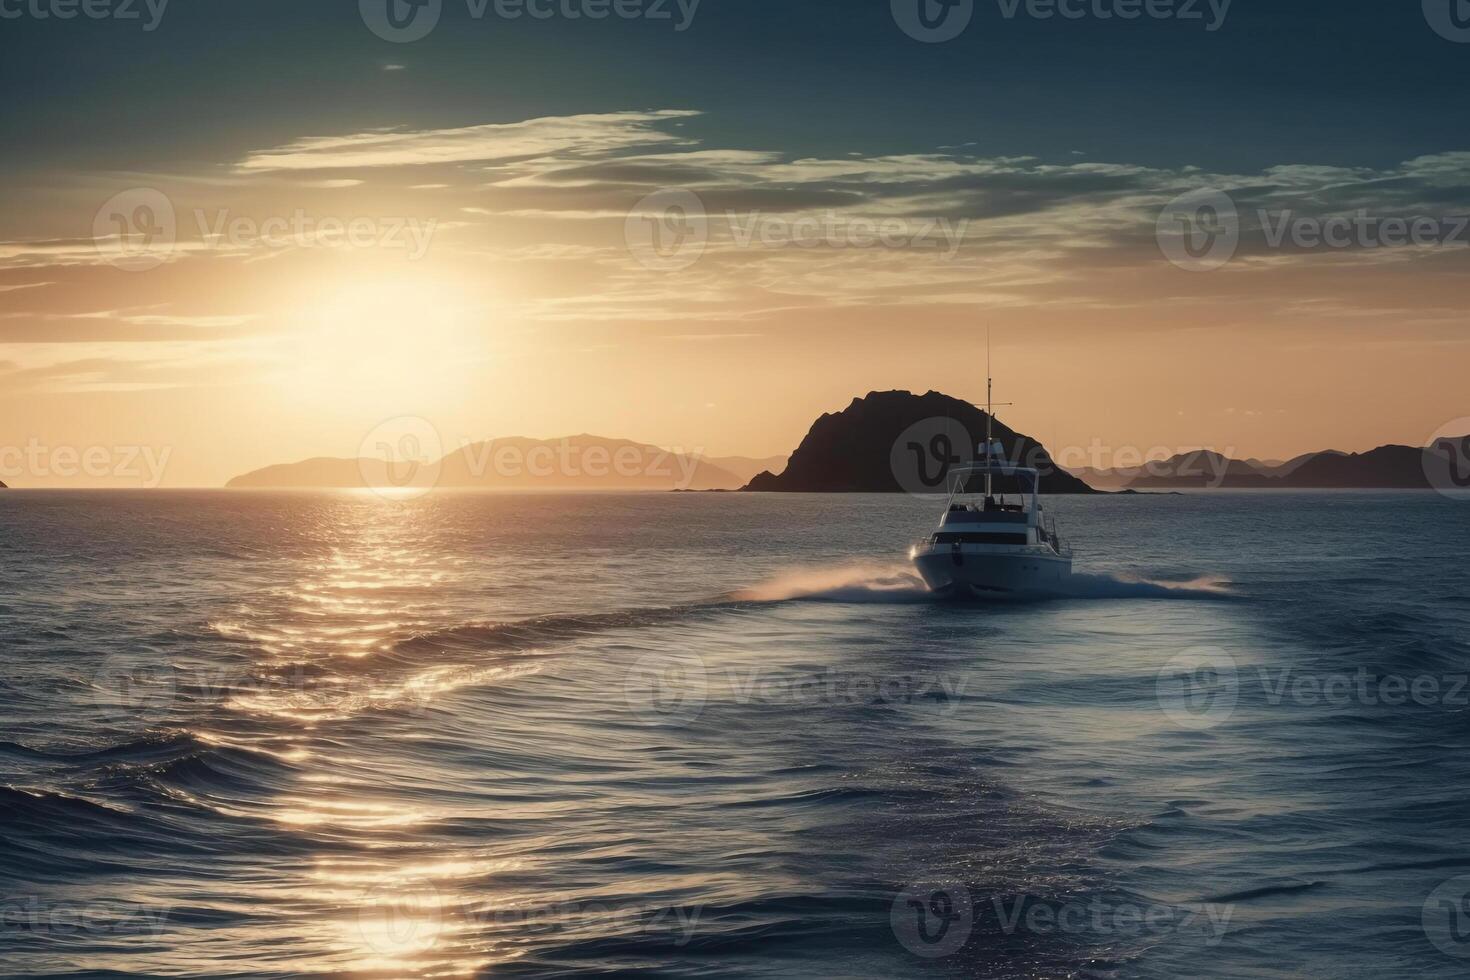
pixel 842 583
pixel 899 583
pixel 1084 585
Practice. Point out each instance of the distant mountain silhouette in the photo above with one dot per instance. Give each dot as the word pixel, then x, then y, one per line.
pixel 1200 468
pixel 866 447
pixel 323 471
pixel 1386 468
pixel 582 462
pixel 747 467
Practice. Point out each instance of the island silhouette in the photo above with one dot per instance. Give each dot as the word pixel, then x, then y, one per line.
pixel 579 462
pixel 893 441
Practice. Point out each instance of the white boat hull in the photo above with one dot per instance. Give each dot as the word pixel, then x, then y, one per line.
pixel 992 574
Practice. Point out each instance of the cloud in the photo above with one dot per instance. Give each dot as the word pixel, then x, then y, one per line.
pixel 119 374
pixel 584 134
pixel 534 213
pixel 709 337
pixel 118 326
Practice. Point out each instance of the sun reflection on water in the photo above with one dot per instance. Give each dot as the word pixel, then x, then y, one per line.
pixel 323 656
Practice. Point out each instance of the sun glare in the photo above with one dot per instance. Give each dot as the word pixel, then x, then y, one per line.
pixel 372 344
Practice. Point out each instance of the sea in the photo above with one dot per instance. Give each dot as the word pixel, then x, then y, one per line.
pixel 348 734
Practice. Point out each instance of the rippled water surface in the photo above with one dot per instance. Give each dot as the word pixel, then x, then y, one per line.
pixel 719 735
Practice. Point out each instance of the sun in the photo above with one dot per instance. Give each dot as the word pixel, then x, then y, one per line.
pixel 373 344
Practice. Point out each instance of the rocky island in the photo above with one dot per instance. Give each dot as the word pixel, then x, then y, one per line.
pixel 852 451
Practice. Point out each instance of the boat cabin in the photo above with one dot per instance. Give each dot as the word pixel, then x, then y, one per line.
pixel 995 503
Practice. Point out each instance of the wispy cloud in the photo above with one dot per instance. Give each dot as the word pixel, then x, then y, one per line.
pixel 584 134
pixel 534 214
pixel 119 326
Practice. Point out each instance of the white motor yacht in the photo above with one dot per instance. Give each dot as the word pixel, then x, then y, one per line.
pixel 995 540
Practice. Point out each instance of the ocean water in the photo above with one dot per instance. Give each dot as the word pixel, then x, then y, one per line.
pixel 719 735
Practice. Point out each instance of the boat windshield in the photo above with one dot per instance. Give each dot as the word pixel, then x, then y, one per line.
pixel 1009 495
pixel 994 504
pixel 1002 482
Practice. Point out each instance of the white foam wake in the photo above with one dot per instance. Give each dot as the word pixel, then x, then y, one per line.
pixel 1092 585
pixel 841 583
pixel 899 583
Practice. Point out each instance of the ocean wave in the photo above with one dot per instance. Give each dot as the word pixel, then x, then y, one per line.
pixel 48 808
pixel 153 745
pixel 529 634
pixel 1266 891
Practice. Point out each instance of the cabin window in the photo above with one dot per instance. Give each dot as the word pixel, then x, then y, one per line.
pixel 977 537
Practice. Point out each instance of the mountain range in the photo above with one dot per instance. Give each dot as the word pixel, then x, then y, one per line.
pixel 581 462
pixel 884 442
pixel 1387 467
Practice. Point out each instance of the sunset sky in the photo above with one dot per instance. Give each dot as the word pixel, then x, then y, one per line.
pixel 498 284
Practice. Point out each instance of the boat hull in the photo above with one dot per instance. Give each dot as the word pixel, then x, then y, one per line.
pixel 994 574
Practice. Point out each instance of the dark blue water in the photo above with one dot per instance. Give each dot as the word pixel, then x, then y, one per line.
pixel 728 736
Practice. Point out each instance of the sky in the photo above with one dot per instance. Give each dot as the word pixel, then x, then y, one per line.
pixel 243 232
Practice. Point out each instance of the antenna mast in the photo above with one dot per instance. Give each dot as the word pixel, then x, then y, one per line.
pixel 990 406
pixel 989 414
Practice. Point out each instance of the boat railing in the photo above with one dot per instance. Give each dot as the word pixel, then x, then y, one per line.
pixel 1049 525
